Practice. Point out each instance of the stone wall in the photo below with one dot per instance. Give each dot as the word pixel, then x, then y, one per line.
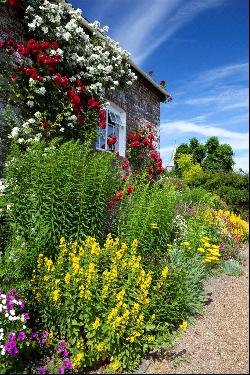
pixel 10 26
pixel 141 102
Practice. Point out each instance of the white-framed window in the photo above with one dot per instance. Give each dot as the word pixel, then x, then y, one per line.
pixel 115 130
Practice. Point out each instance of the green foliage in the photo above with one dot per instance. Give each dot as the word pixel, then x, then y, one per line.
pixel 231 268
pixel 53 191
pixel 220 159
pixel 147 215
pixel 185 294
pixel 212 156
pixel 232 187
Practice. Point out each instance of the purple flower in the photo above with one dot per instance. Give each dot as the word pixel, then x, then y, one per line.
pixel 10 306
pixel 22 336
pixel 21 302
pixel 11 348
pixel 34 335
pixel 13 292
pixel 66 354
pixel 60 370
pixel 67 364
pixel 46 334
pixel 42 370
pixel 12 336
pixel 42 342
pixel 61 347
pixel 26 315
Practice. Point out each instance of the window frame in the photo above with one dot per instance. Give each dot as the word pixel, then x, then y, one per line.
pixel 120 146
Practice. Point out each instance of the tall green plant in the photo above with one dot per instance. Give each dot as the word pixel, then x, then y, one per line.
pixel 60 190
pixel 147 215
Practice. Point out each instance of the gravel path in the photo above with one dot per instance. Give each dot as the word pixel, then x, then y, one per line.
pixel 218 342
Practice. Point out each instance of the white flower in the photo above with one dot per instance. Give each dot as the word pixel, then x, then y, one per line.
pixel 14 132
pixel 30 103
pixel 6 315
pixel 12 312
pixel 3 351
pixel 62 130
pixel 42 90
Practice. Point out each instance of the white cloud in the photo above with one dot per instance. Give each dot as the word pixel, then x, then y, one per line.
pixel 241 71
pixel 238 141
pixel 242 162
pixel 151 25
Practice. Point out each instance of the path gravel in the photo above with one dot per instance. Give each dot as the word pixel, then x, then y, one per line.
pixel 218 342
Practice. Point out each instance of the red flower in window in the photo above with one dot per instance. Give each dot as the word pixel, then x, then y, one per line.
pixel 112 140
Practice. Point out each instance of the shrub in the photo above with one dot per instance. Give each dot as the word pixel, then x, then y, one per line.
pixel 100 299
pixel 231 268
pixel 60 190
pixel 184 294
pixel 147 215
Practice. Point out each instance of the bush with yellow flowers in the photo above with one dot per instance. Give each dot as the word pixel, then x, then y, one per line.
pixel 99 299
pixel 229 224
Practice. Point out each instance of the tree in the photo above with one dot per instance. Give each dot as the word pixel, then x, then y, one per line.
pixel 219 157
pixel 212 156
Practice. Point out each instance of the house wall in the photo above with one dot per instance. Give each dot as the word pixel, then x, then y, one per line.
pixel 141 102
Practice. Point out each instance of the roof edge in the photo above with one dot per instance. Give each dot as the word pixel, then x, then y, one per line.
pixel 167 96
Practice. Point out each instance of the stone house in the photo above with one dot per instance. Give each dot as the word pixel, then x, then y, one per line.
pixel 128 109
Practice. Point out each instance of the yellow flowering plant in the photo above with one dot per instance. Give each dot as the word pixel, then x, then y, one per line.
pixel 229 224
pixel 100 300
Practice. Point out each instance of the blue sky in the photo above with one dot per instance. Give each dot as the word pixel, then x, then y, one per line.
pixel 200 47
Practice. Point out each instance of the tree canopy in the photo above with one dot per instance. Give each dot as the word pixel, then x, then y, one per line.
pixel 212 156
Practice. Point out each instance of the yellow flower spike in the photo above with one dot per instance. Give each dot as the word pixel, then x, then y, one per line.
pixel 62 240
pixel 67 278
pixel 81 251
pixel 151 339
pixel 51 336
pixel 38 296
pixel 135 308
pixel 120 295
pixel 46 278
pixel 96 324
pixel 164 272
pixel 115 365
pixel 201 249
pixel 134 246
pixel 185 243
pixel 184 325
pixel 154 226
pixel 56 295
